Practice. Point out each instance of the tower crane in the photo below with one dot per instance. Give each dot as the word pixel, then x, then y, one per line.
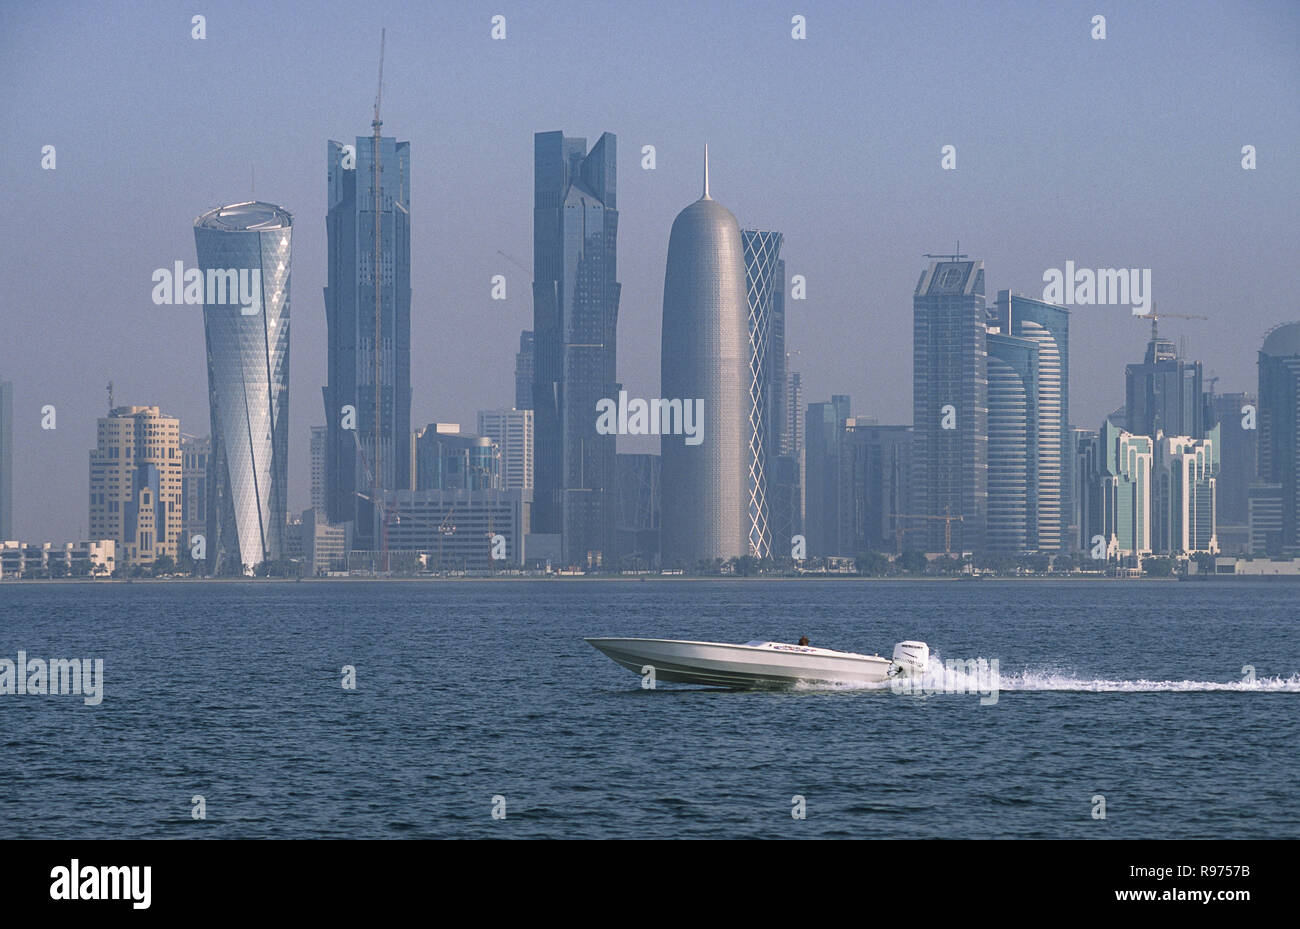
pixel 1157 315
pixel 947 518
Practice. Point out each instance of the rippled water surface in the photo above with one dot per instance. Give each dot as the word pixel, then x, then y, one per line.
pixel 469 690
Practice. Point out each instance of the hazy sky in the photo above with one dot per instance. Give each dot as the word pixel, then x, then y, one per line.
pixel 1117 153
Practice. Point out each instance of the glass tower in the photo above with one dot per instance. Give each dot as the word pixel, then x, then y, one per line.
pixel 761 251
pixel 1279 430
pixel 248 383
pixel 1046 327
pixel 575 329
pixel 1013 373
pixel 950 405
pixel 368 450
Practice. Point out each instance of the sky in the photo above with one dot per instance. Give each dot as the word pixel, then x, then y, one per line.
pixel 1119 152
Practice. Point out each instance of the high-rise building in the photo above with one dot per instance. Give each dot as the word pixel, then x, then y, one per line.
pixel 1118 496
pixel 1082 464
pixel 874 470
pixel 248 383
pixel 785 503
pixel 1237 416
pixel 575 329
pixel 639 491
pixel 1279 433
pixel 778 434
pixel 447 459
pixel 135 484
pixel 705 360
pixel 824 439
pixel 950 405
pixel 368 315
pixel 1183 494
pixel 524 372
pixel 1047 326
pixel 319 452
pixel 6 460
pixel 792 439
pixel 761 258
pixel 512 431
pixel 195 455
pixel 1013 440
pixel 1164 393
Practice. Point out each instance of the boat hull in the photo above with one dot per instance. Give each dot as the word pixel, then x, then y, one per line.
pixel 742 666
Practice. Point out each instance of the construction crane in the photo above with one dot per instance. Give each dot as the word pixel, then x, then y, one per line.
pixel 955 256
pixel 376 477
pixel 948 520
pixel 1155 316
pixel 110 398
pixel 515 262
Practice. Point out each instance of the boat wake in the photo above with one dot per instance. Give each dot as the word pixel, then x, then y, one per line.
pixel 975 677
pixel 1054 681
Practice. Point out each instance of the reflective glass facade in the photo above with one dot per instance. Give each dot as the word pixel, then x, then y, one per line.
pixel 761 260
pixel 1279 434
pixel 350 317
pixel 950 465
pixel 1013 441
pixel 575 328
pixel 248 385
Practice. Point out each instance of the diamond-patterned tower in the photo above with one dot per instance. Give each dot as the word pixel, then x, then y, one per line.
pixel 762 250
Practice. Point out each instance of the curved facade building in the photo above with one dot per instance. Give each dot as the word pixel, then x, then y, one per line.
pixel 705 357
pixel 244 249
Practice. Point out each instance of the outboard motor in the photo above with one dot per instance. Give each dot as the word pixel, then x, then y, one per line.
pixel 910 659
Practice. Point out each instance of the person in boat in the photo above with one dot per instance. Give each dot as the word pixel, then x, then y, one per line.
pixel 803 640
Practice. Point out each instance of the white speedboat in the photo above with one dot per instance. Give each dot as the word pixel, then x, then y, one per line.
pixel 759 663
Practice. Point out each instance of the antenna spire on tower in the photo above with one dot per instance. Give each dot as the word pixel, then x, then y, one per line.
pixel 706 173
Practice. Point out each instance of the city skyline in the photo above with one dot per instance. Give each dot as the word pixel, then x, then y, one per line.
pixel 853 229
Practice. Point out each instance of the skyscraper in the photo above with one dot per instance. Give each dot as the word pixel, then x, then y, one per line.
pixel 639 493
pixel 824 440
pixel 6 460
pixel 1013 475
pixel 778 441
pixel 785 469
pixel 1237 416
pixel 950 404
pixel 873 485
pixel 524 372
pixel 1117 500
pixel 705 358
pixel 761 251
pixel 575 329
pixel 135 483
pixel 792 439
pixel 248 383
pixel 512 431
pixel 1164 393
pixel 1047 327
pixel 1183 494
pixel 1279 437
pixel 368 229
pixel 195 452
